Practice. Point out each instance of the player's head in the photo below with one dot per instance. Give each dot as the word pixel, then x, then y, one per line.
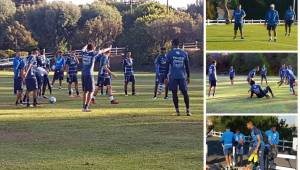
pixel 35 51
pixel 175 43
pixel 58 53
pixel 272 6
pixel 227 127
pixel 239 6
pixel 214 62
pixel 274 128
pixel 128 54
pixel 252 82
pixel 250 124
pixel 163 50
pixel 90 47
pixel 231 67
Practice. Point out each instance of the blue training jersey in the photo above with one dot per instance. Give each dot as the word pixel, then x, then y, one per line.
pixel 88 62
pixel 59 62
pixel 178 61
pixel 290 75
pixel 263 71
pixel 31 60
pixel 212 73
pixel 72 65
pixel 238 16
pixel 289 15
pixel 227 139
pixel 161 64
pixel 254 134
pixel 252 73
pixel 231 72
pixel 256 89
pixel 18 65
pixel 238 137
pixel 272 17
pixel 282 72
pixel 103 62
pixel 273 137
pixel 128 66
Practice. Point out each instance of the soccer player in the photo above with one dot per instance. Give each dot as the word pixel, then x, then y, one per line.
pixel 239 139
pixel 44 62
pixel 263 74
pixel 104 77
pixel 161 68
pixel 179 75
pixel 30 77
pixel 227 140
pixel 128 73
pixel 71 67
pixel 252 74
pixel 291 78
pixel 272 20
pixel 59 69
pixel 18 65
pixel 271 147
pixel 212 75
pixel 238 15
pixel 289 18
pixel 231 74
pixel 258 91
pixel 258 146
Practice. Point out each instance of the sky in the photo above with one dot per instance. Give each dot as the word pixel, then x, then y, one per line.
pixel 290 119
pixel 173 3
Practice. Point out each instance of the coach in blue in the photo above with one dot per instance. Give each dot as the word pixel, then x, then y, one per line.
pixel 271 147
pixel 272 20
pixel 238 15
pixel 289 18
pixel 179 75
pixel 227 141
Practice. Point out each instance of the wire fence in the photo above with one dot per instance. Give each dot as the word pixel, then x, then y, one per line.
pixel 252 21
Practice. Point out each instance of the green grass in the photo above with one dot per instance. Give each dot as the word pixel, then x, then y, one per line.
pixel 220 37
pixel 139 133
pixel 234 99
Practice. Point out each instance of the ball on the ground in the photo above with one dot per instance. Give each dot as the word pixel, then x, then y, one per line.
pixel 52 100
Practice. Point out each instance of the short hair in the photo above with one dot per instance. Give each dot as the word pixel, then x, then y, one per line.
pixel 175 42
pixel 90 47
pixel 252 82
pixel 35 49
pixel 250 121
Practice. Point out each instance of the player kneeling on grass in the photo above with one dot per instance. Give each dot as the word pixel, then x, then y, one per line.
pixel 239 140
pixel 238 15
pixel 291 78
pixel 128 73
pixel 258 91
pixel 71 67
pixel 227 140
pixel 272 20
pixel 289 18
pixel 252 74
pixel 212 75
pixel 18 65
pixel 231 74
pixel 59 69
pixel 263 74
pixel 179 75
pixel 104 77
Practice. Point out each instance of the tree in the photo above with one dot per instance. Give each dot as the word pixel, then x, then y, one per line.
pixel 7 10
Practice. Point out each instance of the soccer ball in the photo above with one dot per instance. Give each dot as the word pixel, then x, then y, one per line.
pixel 52 100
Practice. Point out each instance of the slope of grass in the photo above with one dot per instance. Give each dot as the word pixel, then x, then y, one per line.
pixel 139 133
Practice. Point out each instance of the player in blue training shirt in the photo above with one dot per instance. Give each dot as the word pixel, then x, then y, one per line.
pixel 104 76
pixel 271 147
pixel 179 75
pixel 30 77
pixel 238 15
pixel 282 74
pixel 18 65
pixel 263 74
pixel 128 73
pixel 231 74
pixel 258 91
pixel 239 140
pixel 44 62
pixel 258 146
pixel 59 68
pixel 161 74
pixel 252 74
pixel 72 68
pixel 272 20
pixel 291 79
pixel 227 141
pixel 212 76
pixel 289 18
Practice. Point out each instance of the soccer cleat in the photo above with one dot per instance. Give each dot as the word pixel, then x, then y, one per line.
pixel 270 39
pixel 289 34
pixel 188 113
pixel 234 38
pixel 126 94
pixel 86 110
pixel 275 39
pixel 154 98
pixel 242 38
pixel 166 98
pixel 114 102
pixel 93 101
pixel 177 113
pixel 133 94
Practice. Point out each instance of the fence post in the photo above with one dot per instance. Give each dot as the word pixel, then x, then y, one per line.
pixel 196 44
pixel 283 145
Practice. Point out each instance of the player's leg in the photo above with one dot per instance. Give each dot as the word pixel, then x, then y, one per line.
pixel 269 32
pixel 155 89
pixel 126 87
pixel 184 90
pixel 235 30
pixel 173 86
pixel 102 90
pixel 166 90
pixel 209 90
pixel 133 85
pixel 241 31
pixel 292 87
pixel 266 79
pixel 286 28
pixel 275 33
pixel 70 86
pixel 290 27
pixel 76 88
pixel 54 78
pixel 268 88
pixel 261 158
pixel 34 96
pixel 110 94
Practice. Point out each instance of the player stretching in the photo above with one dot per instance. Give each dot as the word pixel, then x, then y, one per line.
pixel 71 67
pixel 59 68
pixel 289 18
pixel 128 73
pixel 179 75
pixel 252 74
pixel 18 65
pixel 272 20
pixel 161 68
pixel 238 15
pixel 291 78
pixel 231 74
pixel 104 77
pixel 212 74
pixel 263 74
pixel 258 91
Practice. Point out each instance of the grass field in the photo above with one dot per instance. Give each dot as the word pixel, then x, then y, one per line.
pixel 234 99
pixel 139 133
pixel 220 37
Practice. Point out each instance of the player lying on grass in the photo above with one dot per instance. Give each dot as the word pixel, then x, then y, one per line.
pixel 252 74
pixel 272 20
pixel 212 75
pixel 258 91
pixel 289 18
pixel 128 73
pixel 263 74
pixel 72 69
pixel 238 15
pixel 231 75
pixel 18 66
pixel 58 69
pixel 161 74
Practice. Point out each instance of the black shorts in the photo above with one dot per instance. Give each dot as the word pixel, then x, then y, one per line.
pixel 263 77
pixel 231 77
pixel 58 75
pixel 289 22
pixel 103 81
pixel 238 26
pixel 17 84
pixel 31 84
pixel 271 27
pixel 72 78
pixel 213 83
pixel 162 77
pixel 129 78
pixel 175 83
pixel 88 83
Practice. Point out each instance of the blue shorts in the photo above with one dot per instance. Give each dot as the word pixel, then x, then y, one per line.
pixel 72 78
pixel 162 77
pixel 271 27
pixel 40 80
pixel 103 81
pixel 227 151
pixel 238 26
pixel 88 83
pixel 263 77
pixel 31 84
pixel 289 22
pixel 231 77
pixel 213 83
pixel 58 75
pixel 17 84
pixel 129 78
pixel 175 83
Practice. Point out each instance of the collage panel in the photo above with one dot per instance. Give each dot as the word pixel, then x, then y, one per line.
pixel 251 83
pixel 251 142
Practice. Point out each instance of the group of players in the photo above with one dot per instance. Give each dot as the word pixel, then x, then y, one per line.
pixel 271 21
pixel 172 71
pixel 263 147
pixel 286 75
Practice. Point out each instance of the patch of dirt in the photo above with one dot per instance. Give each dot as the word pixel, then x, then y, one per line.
pixel 15 135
